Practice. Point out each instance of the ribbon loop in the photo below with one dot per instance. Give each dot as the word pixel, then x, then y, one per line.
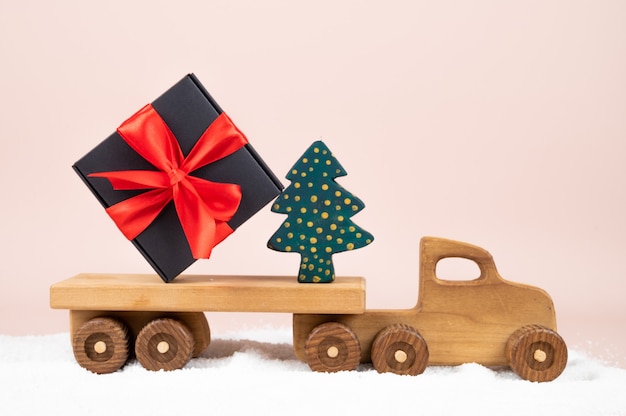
pixel 203 207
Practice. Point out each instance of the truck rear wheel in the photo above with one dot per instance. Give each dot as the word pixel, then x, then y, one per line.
pixel 399 349
pixel 101 345
pixel 164 344
pixel 536 353
pixel 332 347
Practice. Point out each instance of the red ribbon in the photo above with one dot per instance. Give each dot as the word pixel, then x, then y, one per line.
pixel 203 207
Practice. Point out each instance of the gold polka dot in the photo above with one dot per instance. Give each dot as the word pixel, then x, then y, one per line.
pixel 333 227
pixel 287 224
pixel 289 235
pixel 296 185
pixel 309 224
pixel 355 208
pixel 276 206
pixel 337 193
pixel 288 209
pixel 316 150
pixel 315 210
pixel 324 215
pixel 305 160
pixel 347 201
pixel 359 235
pixel 369 240
pixel 294 172
pixel 314 198
pixel 316 160
pixel 324 174
pixel 296 198
pixel 329 250
pixel 352 228
pixel 319 230
pixel 349 246
pixel 325 187
pixel 313 240
pixel 327 202
pixel 317 279
pixel 278 239
pixel 310 184
pixel 288 248
pixel 327 272
pixel 302 236
pixel 329 237
pixel 303 210
pixel 340 241
pixel 299 220
pixel 324 152
pixel 301 248
pixel 340 218
pixel 303 174
pixel 286 196
pixel 313 249
pixel 328 162
pixel 311 267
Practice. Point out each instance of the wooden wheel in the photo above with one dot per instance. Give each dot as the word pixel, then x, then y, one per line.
pixel 101 345
pixel 332 347
pixel 399 349
pixel 536 353
pixel 164 344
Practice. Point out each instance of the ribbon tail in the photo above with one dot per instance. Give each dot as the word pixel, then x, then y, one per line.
pixel 197 222
pixel 132 216
pixel 203 227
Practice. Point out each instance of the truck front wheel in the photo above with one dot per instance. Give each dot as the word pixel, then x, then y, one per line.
pixel 399 349
pixel 332 347
pixel 164 344
pixel 101 345
pixel 536 353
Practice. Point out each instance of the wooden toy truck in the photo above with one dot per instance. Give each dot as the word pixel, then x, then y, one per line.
pixel 488 320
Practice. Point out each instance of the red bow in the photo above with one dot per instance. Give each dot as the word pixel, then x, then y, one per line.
pixel 203 207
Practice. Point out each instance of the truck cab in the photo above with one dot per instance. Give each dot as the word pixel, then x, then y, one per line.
pixel 487 320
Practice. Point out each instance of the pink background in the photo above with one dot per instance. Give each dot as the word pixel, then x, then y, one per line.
pixel 497 123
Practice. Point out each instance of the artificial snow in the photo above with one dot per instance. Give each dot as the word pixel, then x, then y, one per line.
pixel 256 372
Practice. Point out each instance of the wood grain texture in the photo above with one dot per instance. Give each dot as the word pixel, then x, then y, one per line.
pixel 134 321
pixel 194 293
pixel 461 321
pixel 399 349
pixel 164 344
pixel 536 353
pixel 101 345
pixel 332 347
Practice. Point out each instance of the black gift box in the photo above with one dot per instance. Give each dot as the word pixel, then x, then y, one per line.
pixel 187 109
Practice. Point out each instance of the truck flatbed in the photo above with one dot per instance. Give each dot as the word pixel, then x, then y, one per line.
pixel 208 293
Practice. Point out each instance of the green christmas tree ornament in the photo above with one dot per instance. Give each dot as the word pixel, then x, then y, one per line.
pixel 319 213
